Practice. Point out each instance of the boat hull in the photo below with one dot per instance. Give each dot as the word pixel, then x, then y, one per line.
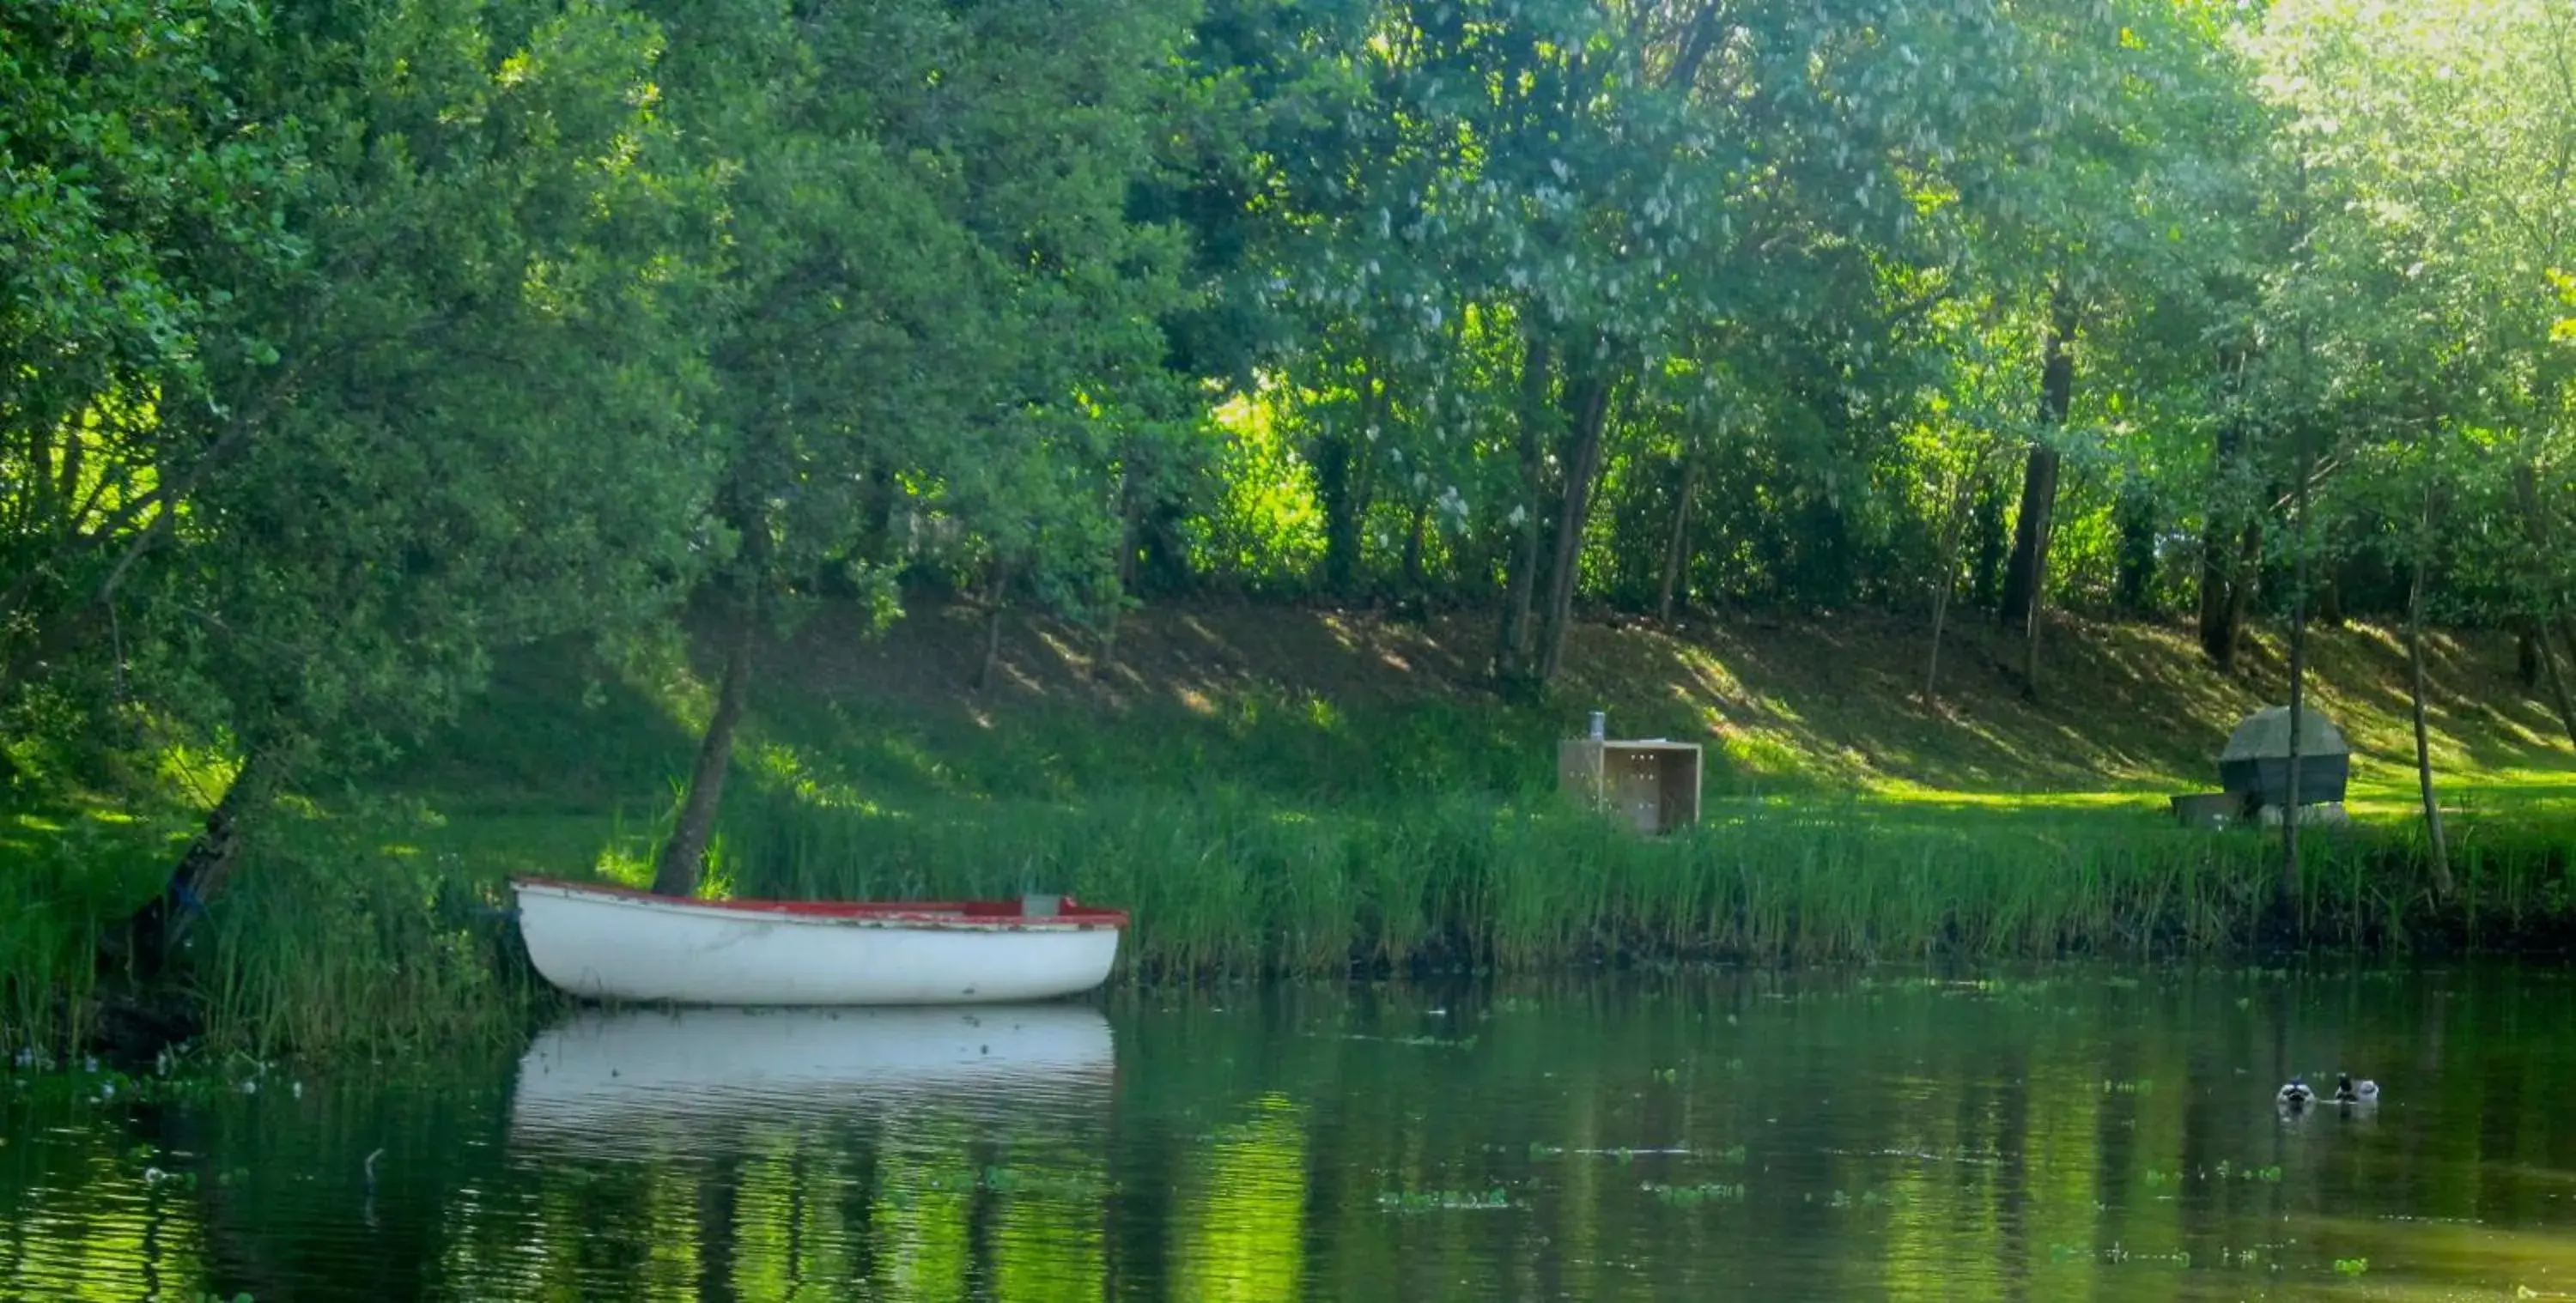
pixel 604 943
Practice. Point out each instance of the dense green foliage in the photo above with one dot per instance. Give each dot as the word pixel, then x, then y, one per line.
pixel 346 346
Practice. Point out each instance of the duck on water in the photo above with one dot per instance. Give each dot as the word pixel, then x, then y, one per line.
pixel 2298 1094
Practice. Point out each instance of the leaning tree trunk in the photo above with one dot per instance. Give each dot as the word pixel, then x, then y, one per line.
pixel 2535 525
pixel 164 923
pixel 2558 691
pixel 1591 416
pixel 684 857
pixel 1512 668
pixel 2441 856
pixel 2535 522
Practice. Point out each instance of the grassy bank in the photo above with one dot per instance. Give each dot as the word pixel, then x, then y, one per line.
pixel 1229 885
pixel 1284 792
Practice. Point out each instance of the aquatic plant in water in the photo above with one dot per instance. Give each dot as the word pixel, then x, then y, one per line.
pixel 1695 1194
pixel 1411 1201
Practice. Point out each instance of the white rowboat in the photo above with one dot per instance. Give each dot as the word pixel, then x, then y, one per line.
pixel 610 943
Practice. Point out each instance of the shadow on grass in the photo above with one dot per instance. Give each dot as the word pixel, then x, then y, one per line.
pixel 1330 711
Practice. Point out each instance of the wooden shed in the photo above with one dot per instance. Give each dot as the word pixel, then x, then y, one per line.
pixel 1651 783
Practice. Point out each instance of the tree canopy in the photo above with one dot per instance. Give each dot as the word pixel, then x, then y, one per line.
pixel 344 346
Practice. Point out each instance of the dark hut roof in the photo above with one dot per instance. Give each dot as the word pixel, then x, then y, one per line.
pixel 2265 734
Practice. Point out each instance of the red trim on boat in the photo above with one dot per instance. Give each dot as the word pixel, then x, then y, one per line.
pixel 928 911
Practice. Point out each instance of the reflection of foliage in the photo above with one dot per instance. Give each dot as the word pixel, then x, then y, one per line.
pixel 1245 1209
pixel 1422 1201
pixel 1968 1152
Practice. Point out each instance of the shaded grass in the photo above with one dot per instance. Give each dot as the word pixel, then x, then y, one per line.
pixel 66 871
pixel 1824 703
pixel 1326 710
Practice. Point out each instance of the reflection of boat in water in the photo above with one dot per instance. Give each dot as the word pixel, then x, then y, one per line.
pixel 604 1074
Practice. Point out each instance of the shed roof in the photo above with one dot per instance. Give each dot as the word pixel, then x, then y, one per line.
pixel 2266 733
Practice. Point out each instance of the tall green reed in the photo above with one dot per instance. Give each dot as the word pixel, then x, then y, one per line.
pixel 1222 883
pixel 64 876
pixel 330 942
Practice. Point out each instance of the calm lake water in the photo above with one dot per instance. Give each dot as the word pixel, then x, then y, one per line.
pixel 2058 1134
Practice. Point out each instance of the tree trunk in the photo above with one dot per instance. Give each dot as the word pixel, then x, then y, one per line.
pixel 1343 459
pixel 1373 418
pixel 2138 525
pixel 2240 590
pixel 2026 575
pixel 1512 667
pixel 1961 497
pixel 2557 683
pixel 876 530
pixel 2057 400
pixel 2289 890
pixel 2550 582
pixel 1985 578
pixel 2441 856
pixel 163 924
pixel 1341 515
pixel 684 857
pixel 1131 520
pixel 1108 658
pixel 2038 588
pixel 2222 539
pixel 2549 614
pixel 998 604
pixel 1591 415
pixel 2217 636
pixel 1413 549
pixel 1677 547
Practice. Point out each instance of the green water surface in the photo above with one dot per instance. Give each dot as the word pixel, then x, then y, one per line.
pixel 2068 1133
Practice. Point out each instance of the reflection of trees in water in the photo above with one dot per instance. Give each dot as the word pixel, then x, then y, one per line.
pixel 78 1219
pixel 1243 1209
pixel 1892 1140
pixel 917 1204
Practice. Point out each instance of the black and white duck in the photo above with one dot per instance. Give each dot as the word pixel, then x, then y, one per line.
pixel 2348 1091
pixel 2296 1095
